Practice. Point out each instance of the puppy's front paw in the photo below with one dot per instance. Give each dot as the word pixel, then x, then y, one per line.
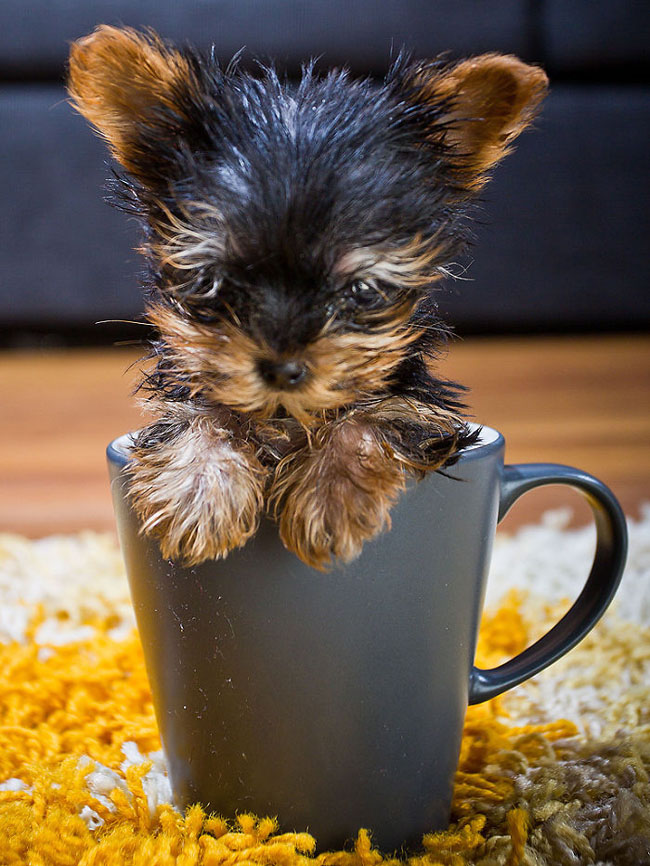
pixel 332 498
pixel 197 493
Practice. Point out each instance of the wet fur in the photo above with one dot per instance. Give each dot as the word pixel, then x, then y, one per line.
pixel 311 224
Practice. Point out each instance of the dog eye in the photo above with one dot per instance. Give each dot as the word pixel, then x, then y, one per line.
pixel 356 298
pixel 363 295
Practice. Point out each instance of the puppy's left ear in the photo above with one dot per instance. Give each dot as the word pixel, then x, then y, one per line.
pixel 480 105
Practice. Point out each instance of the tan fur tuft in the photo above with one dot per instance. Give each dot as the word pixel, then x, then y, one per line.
pixel 413 265
pixel 189 242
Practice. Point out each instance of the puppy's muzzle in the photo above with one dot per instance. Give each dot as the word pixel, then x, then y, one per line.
pixel 284 375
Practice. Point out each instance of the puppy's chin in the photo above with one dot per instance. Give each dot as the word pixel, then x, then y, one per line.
pixel 307 404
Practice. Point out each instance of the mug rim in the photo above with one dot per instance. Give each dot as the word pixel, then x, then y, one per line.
pixel 489 441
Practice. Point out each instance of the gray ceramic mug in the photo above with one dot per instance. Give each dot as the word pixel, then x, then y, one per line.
pixel 336 701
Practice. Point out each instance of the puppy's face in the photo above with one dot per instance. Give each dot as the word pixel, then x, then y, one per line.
pixel 295 233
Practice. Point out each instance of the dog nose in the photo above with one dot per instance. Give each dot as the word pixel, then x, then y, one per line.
pixel 283 374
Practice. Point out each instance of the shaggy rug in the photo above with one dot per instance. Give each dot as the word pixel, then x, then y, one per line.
pixel 554 772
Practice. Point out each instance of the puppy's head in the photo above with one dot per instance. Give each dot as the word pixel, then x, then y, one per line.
pixel 294 233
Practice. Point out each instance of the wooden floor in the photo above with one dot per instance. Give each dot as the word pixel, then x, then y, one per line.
pixel 583 401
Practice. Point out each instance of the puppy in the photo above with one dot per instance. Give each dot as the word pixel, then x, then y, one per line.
pixel 294 237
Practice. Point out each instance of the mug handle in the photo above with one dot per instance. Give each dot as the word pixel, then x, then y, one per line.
pixel 603 580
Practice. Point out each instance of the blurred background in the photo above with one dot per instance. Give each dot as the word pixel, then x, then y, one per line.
pixel 553 310
pixel 562 243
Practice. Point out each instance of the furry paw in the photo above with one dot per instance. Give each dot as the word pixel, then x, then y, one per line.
pixel 332 497
pixel 196 492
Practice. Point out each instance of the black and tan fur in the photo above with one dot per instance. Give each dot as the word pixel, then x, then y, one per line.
pixel 294 237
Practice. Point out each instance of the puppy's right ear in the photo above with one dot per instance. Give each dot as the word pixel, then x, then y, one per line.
pixel 131 87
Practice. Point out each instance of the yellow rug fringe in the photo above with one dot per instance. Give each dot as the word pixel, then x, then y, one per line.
pixel 60 703
pixel 88 698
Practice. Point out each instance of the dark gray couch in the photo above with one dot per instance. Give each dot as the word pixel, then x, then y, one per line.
pixel 563 242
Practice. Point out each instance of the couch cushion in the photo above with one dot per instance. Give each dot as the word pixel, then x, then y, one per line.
pixel 596 36
pixel 563 244
pixel 34 35
pixel 66 255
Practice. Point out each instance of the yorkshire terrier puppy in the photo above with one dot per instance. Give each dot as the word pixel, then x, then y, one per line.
pixel 294 236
